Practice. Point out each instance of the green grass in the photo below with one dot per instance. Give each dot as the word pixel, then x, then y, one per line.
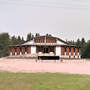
pixel 43 81
pixel 87 58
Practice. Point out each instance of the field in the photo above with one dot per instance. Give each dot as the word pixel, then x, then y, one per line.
pixel 43 81
pixel 25 74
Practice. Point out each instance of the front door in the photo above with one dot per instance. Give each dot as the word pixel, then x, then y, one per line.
pixel 46 50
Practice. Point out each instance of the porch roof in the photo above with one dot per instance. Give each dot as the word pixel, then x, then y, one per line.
pixel 43 44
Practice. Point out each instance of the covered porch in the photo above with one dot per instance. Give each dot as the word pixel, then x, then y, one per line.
pixel 46 50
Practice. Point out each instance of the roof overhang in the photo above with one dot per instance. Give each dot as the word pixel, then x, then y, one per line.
pixel 44 44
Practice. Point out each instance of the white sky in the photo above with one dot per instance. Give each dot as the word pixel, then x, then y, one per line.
pixel 67 19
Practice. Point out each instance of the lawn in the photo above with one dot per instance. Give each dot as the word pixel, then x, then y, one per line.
pixel 43 81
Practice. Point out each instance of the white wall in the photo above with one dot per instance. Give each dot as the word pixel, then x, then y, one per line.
pixel 29 43
pixel 33 49
pixel 61 43
pixel 10 53
pixel 58 50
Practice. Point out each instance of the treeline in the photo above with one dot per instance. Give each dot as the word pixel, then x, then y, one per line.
pixel 85 47
pixel 6 40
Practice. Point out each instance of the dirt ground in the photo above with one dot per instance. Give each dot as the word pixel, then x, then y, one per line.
pixel 27 65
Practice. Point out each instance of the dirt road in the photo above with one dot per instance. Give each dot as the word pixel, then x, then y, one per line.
pixel 26 65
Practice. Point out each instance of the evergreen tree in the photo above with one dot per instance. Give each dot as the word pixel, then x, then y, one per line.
pixel 4 44
pixel 78 43
pixel 19 39
pixel 30 37
pixel 48 34
pixel 22 39
pixel 5 41
pixel 14 40
pixel 37 35
pixel 83 46
pixel 86 51
pixel 71 42
pixel 83 42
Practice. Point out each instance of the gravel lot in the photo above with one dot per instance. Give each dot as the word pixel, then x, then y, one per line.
pixel 28 65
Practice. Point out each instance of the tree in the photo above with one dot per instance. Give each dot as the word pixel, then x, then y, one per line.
pixel 6 40
pixel 86 52
pixel 30 37
pixel 83 42
pixel 83 46
pixel 48 35
pixel 71 42
pixel 14 40
pixel 22 39
pixel 19 38
pixel 37 35
pixel 4 43
pixel 78 43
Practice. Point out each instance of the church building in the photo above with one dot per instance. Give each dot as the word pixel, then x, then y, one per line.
pixel 45 46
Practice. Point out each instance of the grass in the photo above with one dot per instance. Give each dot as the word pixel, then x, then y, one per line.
pixel 87 58
pixel 43 81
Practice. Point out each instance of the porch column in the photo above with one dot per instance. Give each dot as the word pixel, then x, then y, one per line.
pixel 72 51
pixel 65 51
pixel 58 51
pixel 15 51
pixel 76 53
pixel 20 50
pixel 79 53
pixel 33 49
pixel 69 52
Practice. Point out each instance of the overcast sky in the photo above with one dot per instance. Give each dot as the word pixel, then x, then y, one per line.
pixel 67 19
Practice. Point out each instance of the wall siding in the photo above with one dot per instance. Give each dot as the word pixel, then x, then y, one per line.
pixel 18 50
pixel 62 51
pixel 67 51
pixel 29 50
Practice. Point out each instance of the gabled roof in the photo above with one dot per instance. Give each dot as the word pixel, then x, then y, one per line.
pixel 57 39
pixel 52 38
